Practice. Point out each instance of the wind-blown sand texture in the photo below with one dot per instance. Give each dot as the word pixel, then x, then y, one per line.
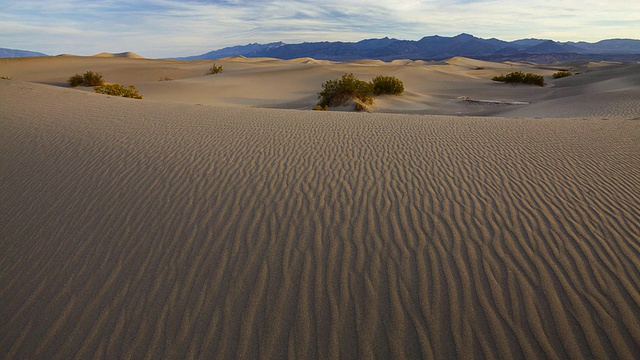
pixel 145 229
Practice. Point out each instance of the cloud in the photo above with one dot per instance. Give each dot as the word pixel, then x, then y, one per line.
pixel 160 28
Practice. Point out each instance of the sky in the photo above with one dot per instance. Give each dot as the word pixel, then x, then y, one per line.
pixel 171 28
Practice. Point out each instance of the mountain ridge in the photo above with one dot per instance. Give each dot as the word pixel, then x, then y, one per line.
pixel 13 53
pixel 432 47
pixel 436 47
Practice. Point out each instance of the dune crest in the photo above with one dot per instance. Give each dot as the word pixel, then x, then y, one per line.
pixel 127 54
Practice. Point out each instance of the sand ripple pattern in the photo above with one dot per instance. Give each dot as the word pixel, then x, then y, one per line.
pixel 148 231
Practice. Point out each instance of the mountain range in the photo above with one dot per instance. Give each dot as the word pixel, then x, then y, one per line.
pixel 12 53
pixel 439 48
pixel 428 48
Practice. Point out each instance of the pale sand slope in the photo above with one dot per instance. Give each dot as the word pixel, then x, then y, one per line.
pixel 135 229
pixel 602 90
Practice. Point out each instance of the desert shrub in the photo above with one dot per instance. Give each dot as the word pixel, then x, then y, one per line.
pixel 76 80
pixel 387 85
pixel 479 67
pixel 165 78
pixel 561 74
pixel 321 108
pixel 360 106
pixel 214 70
pixel 89 78
pixel 118 90
pixel 339 91
pixel 520 77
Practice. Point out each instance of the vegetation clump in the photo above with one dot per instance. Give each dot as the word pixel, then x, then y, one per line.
pixel 118 90
pixel 6 78
pixel 339 92
pixel 321 108
pixel 390 85
pixel 561 74
pixel 520 77
pixel 165 78
pixel 89 78
pixel 214 70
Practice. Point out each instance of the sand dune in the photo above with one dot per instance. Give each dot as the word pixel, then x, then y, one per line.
pixel 144 229
pixel 127 54
pixel 431 87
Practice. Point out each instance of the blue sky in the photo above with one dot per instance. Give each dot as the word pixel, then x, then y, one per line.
pixel 166 28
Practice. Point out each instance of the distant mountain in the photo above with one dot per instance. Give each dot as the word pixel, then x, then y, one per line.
pixel 610 46
pixel 439 48
pixel 251 50
pixel 12 53
pixel 552 47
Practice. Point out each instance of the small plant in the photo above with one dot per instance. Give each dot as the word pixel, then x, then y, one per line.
pixel 338 92
pixel 321 108
pixel 561 74
pixel 360 106
pixel 6 78
pixel 520 77
pixel 166 78
pixel 387 85
pixel 479 67
pixel 118 90
pixel 89 78
pixel 214 70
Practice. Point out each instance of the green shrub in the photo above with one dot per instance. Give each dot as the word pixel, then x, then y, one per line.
pixel 214 70
pixel 321 108
pixel 520 77
pixel 387 85
pixel 118 90
pixel 338 92
pixel 76 80
pixel 89 78
pixel 561 74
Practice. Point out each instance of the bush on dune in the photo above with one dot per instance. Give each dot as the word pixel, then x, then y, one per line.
pixel 214 70
pixel 520 77
pixel 339 92
pixel 89 78
pixel 561 74
pixel 387 85
pixel 118 90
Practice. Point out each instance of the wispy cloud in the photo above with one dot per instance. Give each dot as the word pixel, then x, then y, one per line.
pixel 159 28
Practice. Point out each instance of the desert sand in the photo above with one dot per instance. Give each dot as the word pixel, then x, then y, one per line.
pixel 220 218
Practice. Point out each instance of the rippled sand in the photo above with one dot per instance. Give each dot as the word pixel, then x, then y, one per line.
pixel 134 229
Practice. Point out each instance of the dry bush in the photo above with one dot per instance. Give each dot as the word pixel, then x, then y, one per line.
pixel 89 78
pixel 118 90
pixel 339 92
pixel 520 77
pixel 561 74
pixel 387 85
pixel 214 70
